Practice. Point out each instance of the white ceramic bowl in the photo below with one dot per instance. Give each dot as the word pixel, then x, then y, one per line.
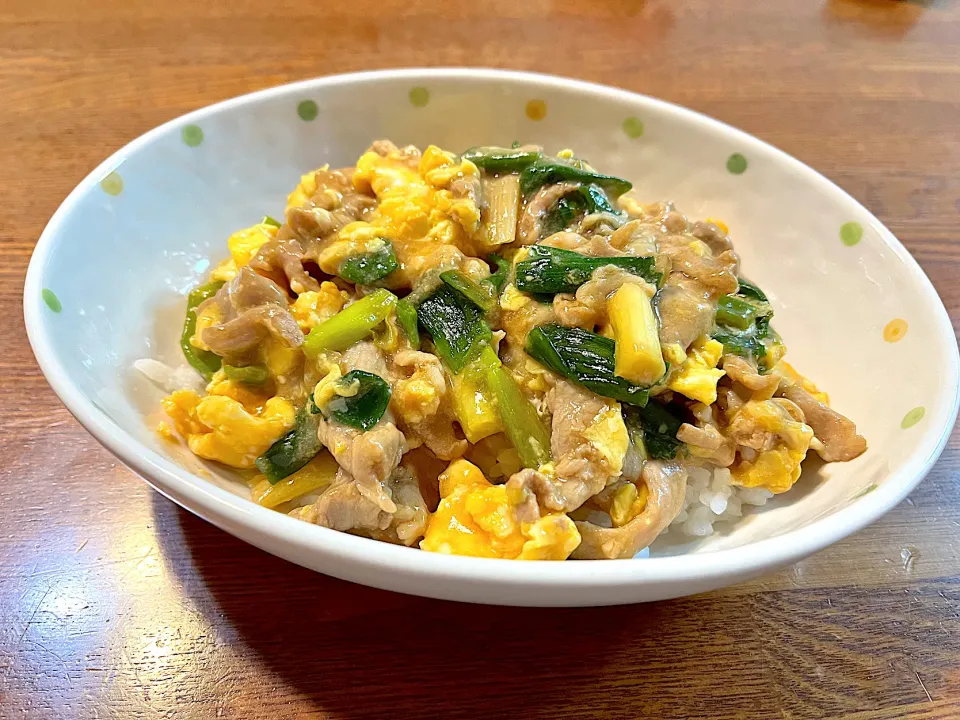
pixel 143 227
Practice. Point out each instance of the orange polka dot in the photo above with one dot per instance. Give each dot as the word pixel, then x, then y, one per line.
pixel 536 109
pixel 895 330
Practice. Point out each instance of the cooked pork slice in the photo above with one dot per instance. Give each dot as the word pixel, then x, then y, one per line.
pixel 837 434
pixel 666 486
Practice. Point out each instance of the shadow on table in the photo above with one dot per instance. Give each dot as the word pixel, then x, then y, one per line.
pixel 358 652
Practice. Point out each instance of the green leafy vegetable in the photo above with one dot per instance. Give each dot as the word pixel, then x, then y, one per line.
pixel 548 171
pixel 293 450
pixel 267 220
pixel 501 160
pixel 736 312
pixel 455 325
pixel 479 295
pixel 743 324
pixel 552 270
pixel 248 374
pixel 407 317
pixel 350 325
pixel 748 289
pixel 366 406
pixel 584 357
pixel 746 344
pixel 522 424
pixel 499 278
pixel 585 200
pixel 203 361
pixel 563 214
pixel 369 267
pixel 657 425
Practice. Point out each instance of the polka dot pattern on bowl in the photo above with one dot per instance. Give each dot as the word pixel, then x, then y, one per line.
pixel 737 164
pixel 913 417
pixel 51 300
pixel 895 330
pixel 536 109
pixel 112 184
pixel 307 110
pixel 192 136
pixel 633 127
pixel 851 233
pixel 419 97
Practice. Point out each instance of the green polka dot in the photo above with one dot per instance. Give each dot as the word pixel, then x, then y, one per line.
pixel 851 233
pixel 913 417
pixel 308 110
pixel 737 164
pixel 112 184
pixel 51 299
pixel 191 135
pixel 419 96
pixel 633 127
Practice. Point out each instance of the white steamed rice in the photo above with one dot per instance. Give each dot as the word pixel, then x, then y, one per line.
pixel 711 498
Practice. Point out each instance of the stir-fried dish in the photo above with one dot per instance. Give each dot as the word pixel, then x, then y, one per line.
pixel 497 354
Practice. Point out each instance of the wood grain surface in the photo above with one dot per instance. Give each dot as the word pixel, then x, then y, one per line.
pixel 114 603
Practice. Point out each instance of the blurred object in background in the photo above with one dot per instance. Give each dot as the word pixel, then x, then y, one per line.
pixel 883 18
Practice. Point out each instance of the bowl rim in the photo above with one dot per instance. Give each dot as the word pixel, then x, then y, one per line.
pixel 208 500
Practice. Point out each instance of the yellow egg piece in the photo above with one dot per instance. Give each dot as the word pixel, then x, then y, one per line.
pixel 476 518
pixel 244 244
pixel 696 377
pixel 415 212
pixel 218 427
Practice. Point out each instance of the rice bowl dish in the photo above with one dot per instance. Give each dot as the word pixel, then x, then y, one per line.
pixel 499 353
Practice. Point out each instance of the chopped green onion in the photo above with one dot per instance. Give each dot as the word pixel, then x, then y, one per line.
pixel 364 409
pixel 658 426
pixel 293 450
pixel 203 361
pixel 479 295
pixel 501 197
pixel 407 317
pixel 267 220
pixel 746 344
pixel 350 325
pixel 369 267
pixel 748 289
pixel 552 270
pixel 501 160
pixel 455 325
pixel 584 357
pixel 248 374
pixel 549 171
pixel 523 425
pixel 736 312
pixel 585 200
pixel 499 278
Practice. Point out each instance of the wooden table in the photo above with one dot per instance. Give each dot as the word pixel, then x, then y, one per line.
pixel 114 603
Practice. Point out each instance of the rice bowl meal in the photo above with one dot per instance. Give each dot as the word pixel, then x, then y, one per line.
pixel 499 354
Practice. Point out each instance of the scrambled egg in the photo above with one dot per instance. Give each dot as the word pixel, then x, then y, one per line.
pixel 697 376
pixel 608 434
pixel 628 503
pixel 243 245
pixel 787 370
pixel 416 212
pixel 232 424
pixel 776 469
pixel 476 518
pixel 314 307
pixel 417 397
pixel 305 190
pixel 495 456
